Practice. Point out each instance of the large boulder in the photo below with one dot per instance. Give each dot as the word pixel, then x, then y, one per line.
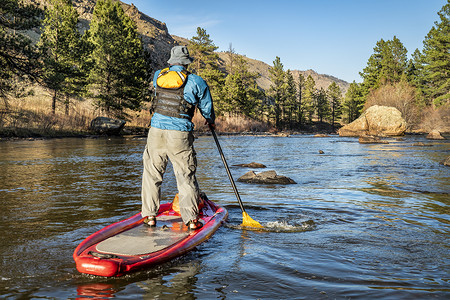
pixel 104 125
pixel 376 120
pixel 267 177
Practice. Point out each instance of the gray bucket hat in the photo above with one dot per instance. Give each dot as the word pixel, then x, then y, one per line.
pixel 179 55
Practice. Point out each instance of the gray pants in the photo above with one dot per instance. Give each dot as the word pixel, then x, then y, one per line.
pixel 178 147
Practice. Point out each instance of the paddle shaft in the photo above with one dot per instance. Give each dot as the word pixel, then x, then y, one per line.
pixel 226 168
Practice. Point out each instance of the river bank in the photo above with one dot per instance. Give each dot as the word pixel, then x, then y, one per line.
pixel 224 126
pixel 60 126
pixel 7 134
pixel 31 118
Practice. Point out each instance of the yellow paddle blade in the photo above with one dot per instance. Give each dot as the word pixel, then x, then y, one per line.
pixel 249 222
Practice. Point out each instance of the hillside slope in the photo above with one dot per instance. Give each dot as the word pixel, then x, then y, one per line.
pixel 264 82
pixel 154 33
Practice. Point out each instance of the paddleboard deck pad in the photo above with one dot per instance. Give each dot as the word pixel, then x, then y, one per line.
pixel 130 245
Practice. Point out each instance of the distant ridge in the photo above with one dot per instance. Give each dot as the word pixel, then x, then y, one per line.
pixel 262 68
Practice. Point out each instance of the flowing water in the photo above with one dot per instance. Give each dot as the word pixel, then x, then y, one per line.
pixel 362 222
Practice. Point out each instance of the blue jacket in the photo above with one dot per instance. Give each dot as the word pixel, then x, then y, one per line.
pixel 196 91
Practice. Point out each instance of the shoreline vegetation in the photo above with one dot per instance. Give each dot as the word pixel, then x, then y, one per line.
pixel 25 122
pixel 31 117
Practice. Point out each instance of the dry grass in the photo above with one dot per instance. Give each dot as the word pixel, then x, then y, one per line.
pixel 435 119
pixel 32 116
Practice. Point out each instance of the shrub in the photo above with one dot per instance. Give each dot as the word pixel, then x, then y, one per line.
pixel 435 118
pixel 400 95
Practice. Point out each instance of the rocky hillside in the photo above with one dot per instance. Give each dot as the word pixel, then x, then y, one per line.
pixel 154 33
pixel 157 39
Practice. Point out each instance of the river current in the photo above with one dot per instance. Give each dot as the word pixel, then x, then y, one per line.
pixel 364 221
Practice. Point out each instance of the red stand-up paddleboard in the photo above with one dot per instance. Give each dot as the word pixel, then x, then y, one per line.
pixel 131 245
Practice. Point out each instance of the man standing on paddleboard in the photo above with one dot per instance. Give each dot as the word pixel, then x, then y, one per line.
pixel 178 93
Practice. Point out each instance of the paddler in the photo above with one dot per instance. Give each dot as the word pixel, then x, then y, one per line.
pixel 177 94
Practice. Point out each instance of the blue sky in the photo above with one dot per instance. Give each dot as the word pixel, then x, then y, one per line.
pixel 331 37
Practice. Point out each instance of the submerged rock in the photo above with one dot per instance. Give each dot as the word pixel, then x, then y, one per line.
pixel 321 135
pixel 267 177
pixel 420 144
pixel 251 165
pixel 370 139
pixel 376 120
pixel 446 162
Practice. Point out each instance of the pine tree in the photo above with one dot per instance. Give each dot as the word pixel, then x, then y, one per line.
pixel 387 65
pixel 323 108
pixel 415 77
pixel 254 94
pixel 234 99
pixel 300 102
pixel 206 65
pixel 372 71
pixel 353 102
pixel 60 47
pixel 18 56
pixel 394 61
pixel 309 95
pixel 335 97
pixel 289 106
pixel 231 53
pixel 240 92
pixel 277 91
pixel 117 73
pixel 202 48
pixel 436 60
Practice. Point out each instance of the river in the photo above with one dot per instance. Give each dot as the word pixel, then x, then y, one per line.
pixel 364 221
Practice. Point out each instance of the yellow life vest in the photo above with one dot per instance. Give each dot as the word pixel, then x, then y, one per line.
pixel 171 79
pixel 170 95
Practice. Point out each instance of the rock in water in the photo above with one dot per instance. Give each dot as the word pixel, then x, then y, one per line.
pixel 446 162
pixel 420 144
pixel 251 165
pixel 370 139
pixel 247 176
pixel 376 120
pixel 435 135
pixel 268 177
pixel 104 125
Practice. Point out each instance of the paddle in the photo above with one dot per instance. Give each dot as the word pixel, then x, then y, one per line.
pixel 246 219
